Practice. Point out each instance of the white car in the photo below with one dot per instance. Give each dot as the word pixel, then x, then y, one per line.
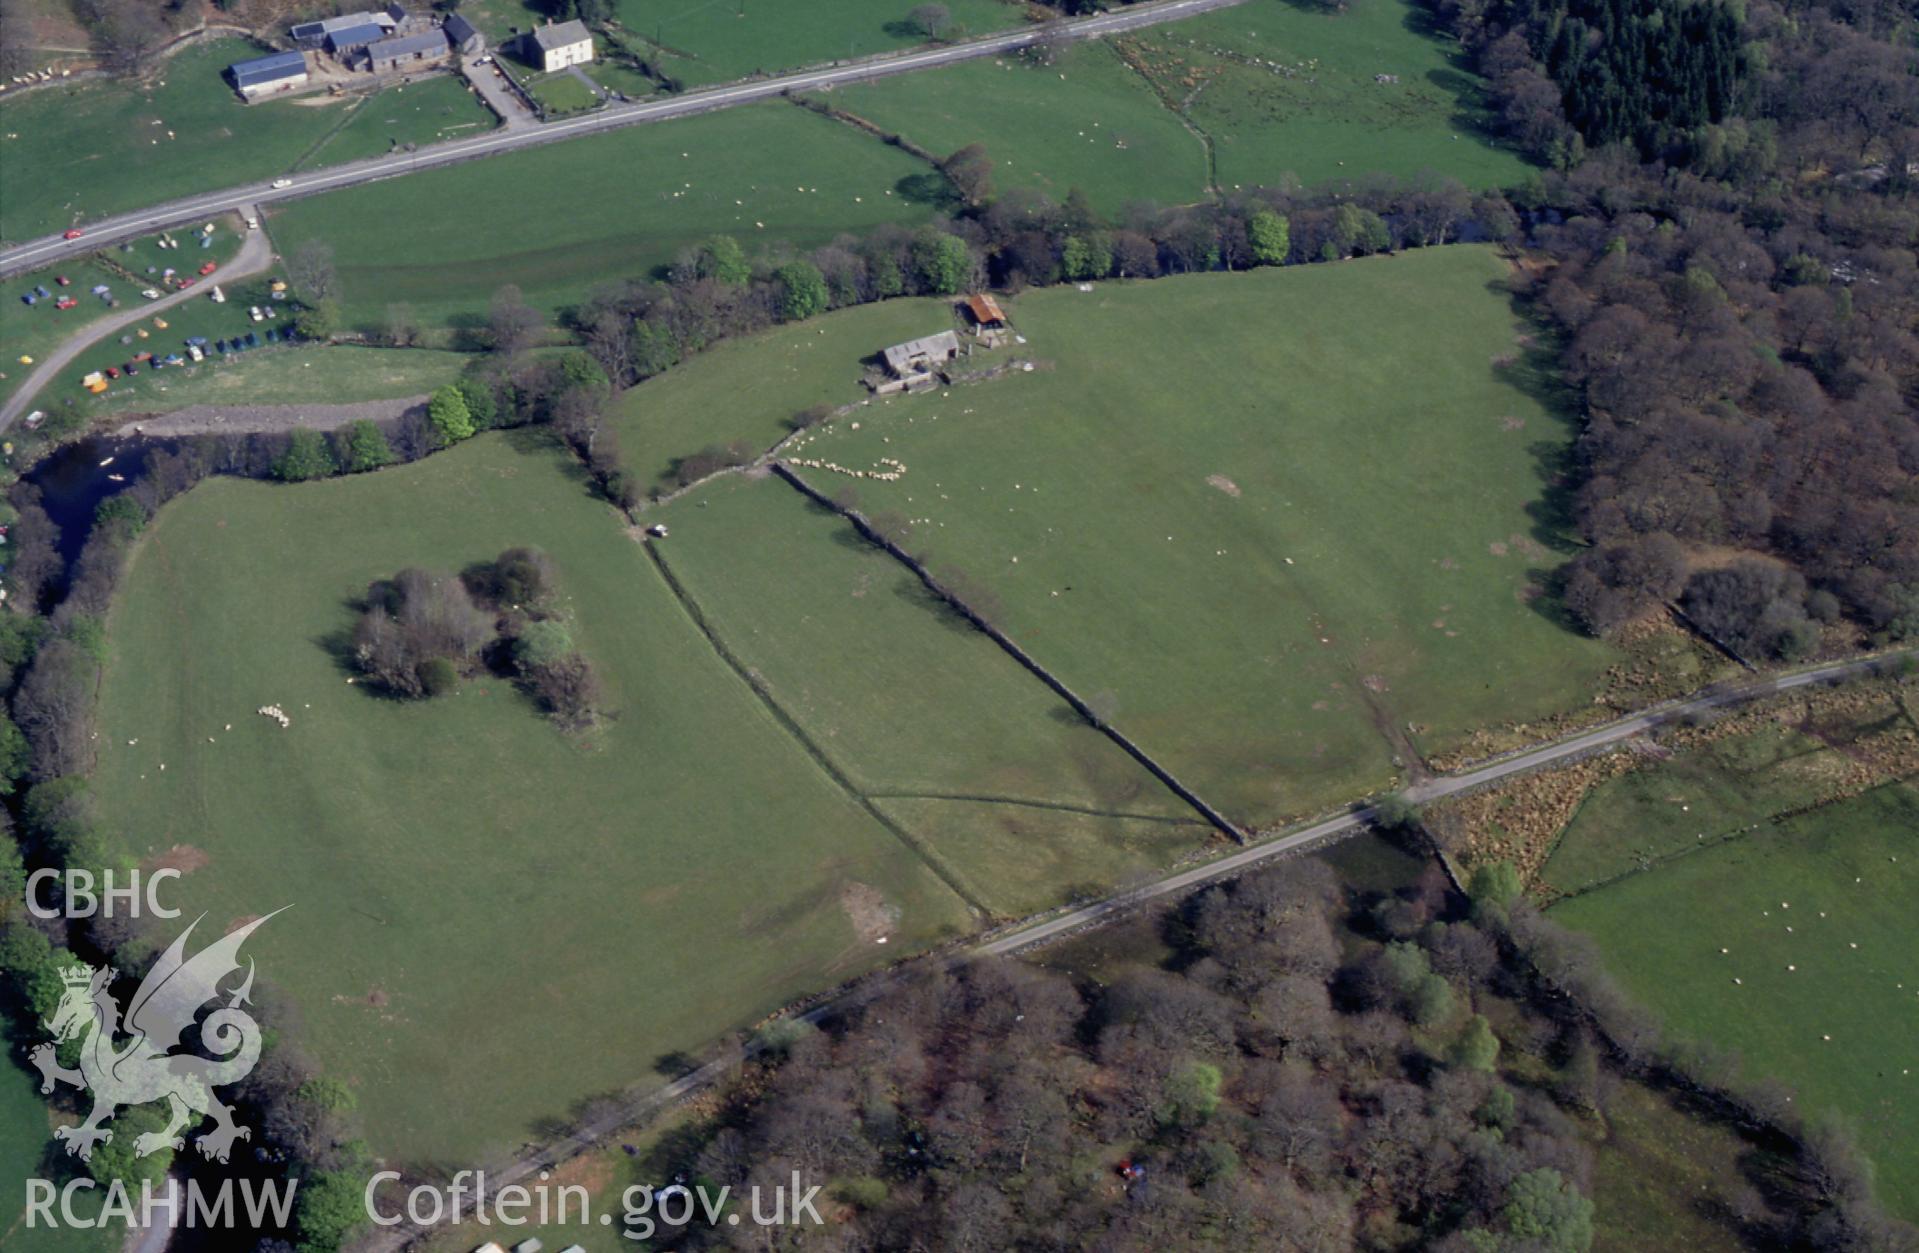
pixel 278 183
pixel 151 293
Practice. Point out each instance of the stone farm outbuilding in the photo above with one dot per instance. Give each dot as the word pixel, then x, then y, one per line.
pixel 462 36
pixel 914 365
pixel 346 41
pixel 315 34
pixel 407 51
pixel 264 76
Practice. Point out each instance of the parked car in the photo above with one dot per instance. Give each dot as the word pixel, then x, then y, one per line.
pixel 151 293
pixel 75 233
pixel 196 341
pixel 282 183
pixel 65 302
pixel 63 280
pixel 208 268
pixel 131 368
pixel 113 371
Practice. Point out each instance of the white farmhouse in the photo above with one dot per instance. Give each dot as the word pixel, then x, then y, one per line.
pixel 557 45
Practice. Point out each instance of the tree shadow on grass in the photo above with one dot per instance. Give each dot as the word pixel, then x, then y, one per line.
pixel 677 1064
pixel 917 594
pixel 1533 368
pixel 929 189
pixel 338 646
pixel 469 332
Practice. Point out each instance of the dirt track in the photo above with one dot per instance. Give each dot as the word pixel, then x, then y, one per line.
pixel 246 419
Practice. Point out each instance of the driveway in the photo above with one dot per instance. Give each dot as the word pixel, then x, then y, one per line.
pixel 502 99
pixel 255 255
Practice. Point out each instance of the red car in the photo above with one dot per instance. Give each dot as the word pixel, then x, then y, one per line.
pixel 113 371
pixel 75 233
pixel 209 267
pixel 64 281
pixel 65 302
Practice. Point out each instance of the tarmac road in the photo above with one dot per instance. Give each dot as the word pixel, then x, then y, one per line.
pixel 34 253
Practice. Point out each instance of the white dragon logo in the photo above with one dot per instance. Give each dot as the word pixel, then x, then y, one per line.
pixel 143 1069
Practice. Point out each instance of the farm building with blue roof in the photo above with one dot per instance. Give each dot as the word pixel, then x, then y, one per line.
pixel 282 71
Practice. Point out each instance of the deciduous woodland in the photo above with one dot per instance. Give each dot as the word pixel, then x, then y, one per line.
pixel 1314 1065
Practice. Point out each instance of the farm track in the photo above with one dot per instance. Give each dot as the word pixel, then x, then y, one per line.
pixel 1039 932
pixel 33 253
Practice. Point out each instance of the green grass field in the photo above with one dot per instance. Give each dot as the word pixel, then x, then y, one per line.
pixel 1816 987
pixel 708 41
pixel 748 389
pixel 77 153
pixel 1658 811
pixel 1214 509
pixel 198 317
pixel 1660 1173
pixel 426 111
pixel 701 42
pixel 1286 89
pixel 557 220
pixel 560 93
pixel 1088 122
pixel 35 330
pixel 26 1138
pixel 491 919
pixel 293 374
pixel 1726 787
pixel 927 717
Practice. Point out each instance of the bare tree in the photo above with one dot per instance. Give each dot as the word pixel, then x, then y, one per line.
pixel 402 327
pixel 511 323
pixel 54 707
pixel 930 20
pixel 311 268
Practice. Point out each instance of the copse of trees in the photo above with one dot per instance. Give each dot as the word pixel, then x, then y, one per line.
pixel 420 633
